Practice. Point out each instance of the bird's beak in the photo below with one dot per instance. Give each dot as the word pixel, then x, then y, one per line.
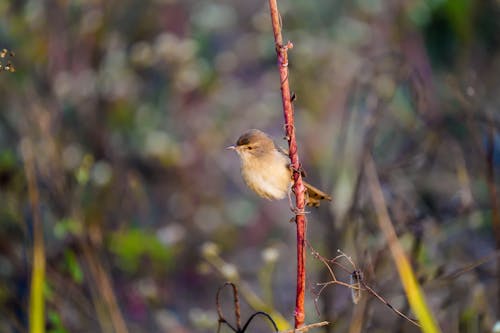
pixel 231 148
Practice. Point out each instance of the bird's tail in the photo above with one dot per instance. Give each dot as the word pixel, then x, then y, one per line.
pixel 315 195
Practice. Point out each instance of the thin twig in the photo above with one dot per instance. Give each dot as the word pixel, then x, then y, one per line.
pixel 308 327
pixel 258 313
pixel 236 302
pixel 357 285
pixel 481 261
pixel 244 288
pixel 389 305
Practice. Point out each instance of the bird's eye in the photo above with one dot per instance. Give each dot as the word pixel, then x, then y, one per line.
pixel 249 147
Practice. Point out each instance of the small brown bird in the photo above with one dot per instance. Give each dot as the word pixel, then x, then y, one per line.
pixel 266 168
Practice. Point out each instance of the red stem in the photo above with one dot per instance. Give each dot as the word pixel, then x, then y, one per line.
pixel 298 186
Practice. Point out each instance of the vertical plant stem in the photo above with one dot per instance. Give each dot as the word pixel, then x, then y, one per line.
pixel 406 274
pixel 105 288
pixel 298 186
pixel 495 211
pixel 37 302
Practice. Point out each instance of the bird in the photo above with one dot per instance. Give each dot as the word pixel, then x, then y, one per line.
pixel 266 168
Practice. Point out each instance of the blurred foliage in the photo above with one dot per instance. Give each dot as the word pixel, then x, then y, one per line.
pixel 134 245
pixel 129 105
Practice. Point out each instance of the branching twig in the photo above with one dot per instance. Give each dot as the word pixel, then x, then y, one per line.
pixel 210 254
pixel 236 302
pixel 357 284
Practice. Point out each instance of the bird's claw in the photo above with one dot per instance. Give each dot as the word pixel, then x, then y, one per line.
pixel 298 211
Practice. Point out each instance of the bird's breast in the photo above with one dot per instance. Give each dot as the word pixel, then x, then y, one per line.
pixel 268 176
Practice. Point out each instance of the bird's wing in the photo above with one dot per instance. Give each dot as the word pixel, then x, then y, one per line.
pixel 285 152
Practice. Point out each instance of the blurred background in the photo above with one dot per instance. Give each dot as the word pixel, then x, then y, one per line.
pixel 112 136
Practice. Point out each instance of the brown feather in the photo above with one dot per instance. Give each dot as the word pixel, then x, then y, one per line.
pixel 315 195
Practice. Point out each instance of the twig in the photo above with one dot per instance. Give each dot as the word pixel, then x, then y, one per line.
pixel 357 283
pixel 298 186
pixel 481 261
pixel 236 301
pixel 308 327
pixel 211 256
pixel 259 313
pixel 389 305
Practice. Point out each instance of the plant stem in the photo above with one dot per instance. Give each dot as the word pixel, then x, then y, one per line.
pixel 298 186
pixel 37 301
pixel 495 211
pixel 410 283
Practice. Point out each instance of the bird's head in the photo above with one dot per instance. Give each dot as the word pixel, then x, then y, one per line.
pixel 253 143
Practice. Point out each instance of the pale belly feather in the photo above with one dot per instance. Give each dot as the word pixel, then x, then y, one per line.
pixel 269 180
